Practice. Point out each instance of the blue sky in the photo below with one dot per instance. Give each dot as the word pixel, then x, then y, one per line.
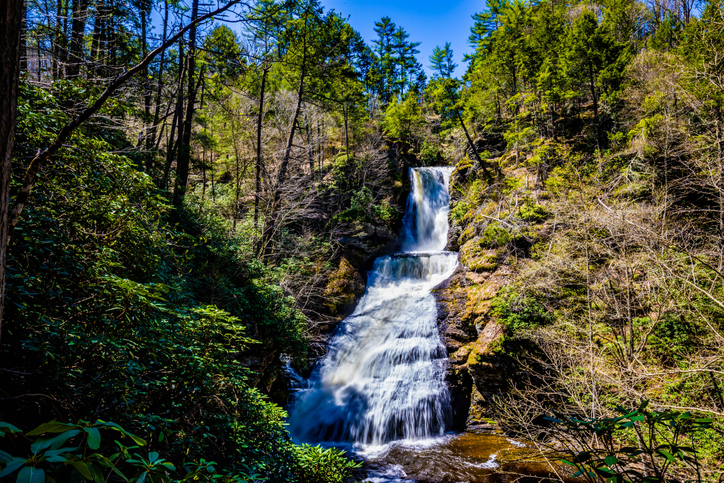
pixel 429 22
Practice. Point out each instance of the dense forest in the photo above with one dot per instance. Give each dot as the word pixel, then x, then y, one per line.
pixel 193 192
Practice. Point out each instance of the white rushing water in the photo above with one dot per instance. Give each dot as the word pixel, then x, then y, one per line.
pixel 383 377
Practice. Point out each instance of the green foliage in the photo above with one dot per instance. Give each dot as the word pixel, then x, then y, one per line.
pixel 458 211
pixel 317 464
pixel 151 317
pixel 532 212
pixel 673 338
pixel 615 449
pixel 519 311
pixel 495 236
pixel 402 119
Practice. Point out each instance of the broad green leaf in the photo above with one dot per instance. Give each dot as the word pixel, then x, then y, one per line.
pixel 54 443
pixel 8 428
pixel 94 438
pixel 666 454
pixel 82 469
pixel 610 460
pixel 5 458
pixel 51 427
pixel 12 466
pixel 97 475
pixel 31 475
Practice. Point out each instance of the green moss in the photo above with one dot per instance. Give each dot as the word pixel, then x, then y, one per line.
pixel 494 236
pixel 486 262
pixel 533 212
pixel 459 210
pixel 519 311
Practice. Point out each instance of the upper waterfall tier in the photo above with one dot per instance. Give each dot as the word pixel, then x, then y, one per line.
pixel 425 223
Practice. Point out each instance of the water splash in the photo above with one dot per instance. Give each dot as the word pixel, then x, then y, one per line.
pixel 383 377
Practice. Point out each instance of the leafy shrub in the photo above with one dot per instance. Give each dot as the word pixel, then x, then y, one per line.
pixel 519 311
pixel 317 464
pixel 495 236
pixel 532 212
pixel 638 446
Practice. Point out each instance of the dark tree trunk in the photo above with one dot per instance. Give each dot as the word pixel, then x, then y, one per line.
pixel 177 116
pixel 259 160
pixel 96 39
pixel 146 97
pixel 24 41
pixel 592 85
pixel 11 18
pixel 151 139
pixel 58 41
pixel 310 148
pixel 271 227
pixel 184 159
pixel 346 130
pixel 80 14
pixel 472 147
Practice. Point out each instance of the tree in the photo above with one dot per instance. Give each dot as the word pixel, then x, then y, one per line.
pixel 442 62
pixel 12 13
pixel 444 93
pixel 10 82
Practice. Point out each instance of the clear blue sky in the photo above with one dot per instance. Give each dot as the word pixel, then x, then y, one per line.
pixel 429 22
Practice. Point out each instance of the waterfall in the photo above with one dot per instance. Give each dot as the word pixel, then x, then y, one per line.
pixel 383 377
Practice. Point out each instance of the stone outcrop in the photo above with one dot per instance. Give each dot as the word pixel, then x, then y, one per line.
pixel 478 367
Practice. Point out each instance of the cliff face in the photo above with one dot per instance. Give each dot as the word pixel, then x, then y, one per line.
pixel 478 367
pixel 489 250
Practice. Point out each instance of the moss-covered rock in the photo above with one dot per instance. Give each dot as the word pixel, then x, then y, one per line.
pixel 344 286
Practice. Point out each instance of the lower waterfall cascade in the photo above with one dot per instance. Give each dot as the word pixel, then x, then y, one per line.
pixel 383 378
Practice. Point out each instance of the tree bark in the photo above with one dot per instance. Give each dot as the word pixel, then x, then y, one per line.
pixel 171 148
pixel 80 14
pixel 276 205
pixel 472 147
pixel 259 160
pixel 595 106
pixel 184 159
pixel 11 18
pixel 310 148
pixel 151 138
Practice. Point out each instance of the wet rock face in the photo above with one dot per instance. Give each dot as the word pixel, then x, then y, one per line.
pixel 478 367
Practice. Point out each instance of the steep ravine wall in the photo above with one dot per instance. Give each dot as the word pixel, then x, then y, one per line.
pixel 478 368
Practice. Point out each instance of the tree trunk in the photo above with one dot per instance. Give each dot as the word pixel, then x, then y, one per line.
pixel 310 149
pixel 151 138
pixel 472 147
pixel 24 41
pixel 182 166
pixel 259 161
pixel 148 165
pixel 595 107
pixel 80 14
pixel 177 115
pixel 346 130
pixel 276 205
pixel 59 40
pixel 96 40
pixel 11 18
